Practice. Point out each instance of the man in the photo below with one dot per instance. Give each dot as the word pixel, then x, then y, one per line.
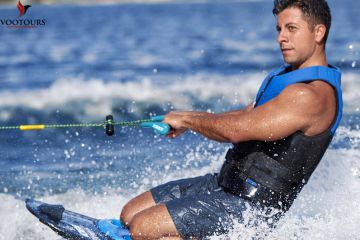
pixel 278 141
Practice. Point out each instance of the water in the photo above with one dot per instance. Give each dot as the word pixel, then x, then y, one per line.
pixel 135 61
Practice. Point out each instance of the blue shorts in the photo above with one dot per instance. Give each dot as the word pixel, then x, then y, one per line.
pixel 199 207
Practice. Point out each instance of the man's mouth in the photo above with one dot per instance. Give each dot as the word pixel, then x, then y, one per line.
pixel 286 49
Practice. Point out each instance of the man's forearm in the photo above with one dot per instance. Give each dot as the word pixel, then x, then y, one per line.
pixel 214 126
pixel 222 127
pixel 217 127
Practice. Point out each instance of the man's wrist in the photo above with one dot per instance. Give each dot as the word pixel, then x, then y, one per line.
pixel 193 121
pixel 188 120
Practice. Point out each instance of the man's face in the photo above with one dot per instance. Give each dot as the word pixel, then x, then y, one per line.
pixel 297 41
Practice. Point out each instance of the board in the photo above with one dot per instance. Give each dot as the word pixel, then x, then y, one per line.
pixel 75 226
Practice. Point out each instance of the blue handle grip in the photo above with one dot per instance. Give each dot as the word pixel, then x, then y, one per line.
pixel 159 127
pixel 159 118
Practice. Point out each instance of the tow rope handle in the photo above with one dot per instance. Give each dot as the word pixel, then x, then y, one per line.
pixel 154 123
pixel 157 124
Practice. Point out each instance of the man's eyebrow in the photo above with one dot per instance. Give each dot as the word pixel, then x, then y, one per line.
pixel 290 23
pixel 286 25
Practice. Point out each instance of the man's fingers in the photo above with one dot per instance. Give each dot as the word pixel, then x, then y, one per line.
pixel 175 133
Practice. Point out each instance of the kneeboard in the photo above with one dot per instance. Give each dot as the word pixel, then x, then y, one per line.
pixel 75 226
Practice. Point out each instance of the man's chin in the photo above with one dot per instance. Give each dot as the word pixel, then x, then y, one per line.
pixel 289 61
pixel 292 63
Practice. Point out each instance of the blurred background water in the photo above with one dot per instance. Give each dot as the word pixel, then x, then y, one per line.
pixel 139 60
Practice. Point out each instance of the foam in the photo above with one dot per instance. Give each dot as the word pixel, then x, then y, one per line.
pixel 20 224
pixel 352 137
pixel 97 97
pixel 145 60
pixel 351 95
pixel 327 208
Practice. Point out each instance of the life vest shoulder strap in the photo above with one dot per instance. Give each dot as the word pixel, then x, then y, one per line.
pixel 278 80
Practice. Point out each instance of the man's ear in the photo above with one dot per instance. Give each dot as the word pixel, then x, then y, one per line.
pixel 320 31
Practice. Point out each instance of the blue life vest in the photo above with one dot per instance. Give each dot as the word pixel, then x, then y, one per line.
pixel 274 172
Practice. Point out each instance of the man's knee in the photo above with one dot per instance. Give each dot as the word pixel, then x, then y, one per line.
pixel 136 205
pixel 126 214
pixel 136 228
pixel 141 229
pixel 153 223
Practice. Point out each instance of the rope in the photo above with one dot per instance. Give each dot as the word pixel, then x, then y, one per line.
pixel 73 125
pixel 9 127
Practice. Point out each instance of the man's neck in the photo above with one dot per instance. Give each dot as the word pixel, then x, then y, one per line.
pixel 317 59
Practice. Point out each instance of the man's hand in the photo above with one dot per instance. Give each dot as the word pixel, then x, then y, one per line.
pixel 178 123
pixel 175 120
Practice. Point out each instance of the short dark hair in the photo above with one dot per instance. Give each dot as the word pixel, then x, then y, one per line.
pixel 315 12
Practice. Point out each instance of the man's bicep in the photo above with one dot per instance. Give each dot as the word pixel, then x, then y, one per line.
pixel 237 112
pixel 282 116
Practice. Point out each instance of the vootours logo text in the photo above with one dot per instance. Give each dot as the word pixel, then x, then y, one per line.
pixel 22 23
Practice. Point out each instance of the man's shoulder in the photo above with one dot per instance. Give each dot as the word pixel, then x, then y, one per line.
pixel 316 94
pixel 300 92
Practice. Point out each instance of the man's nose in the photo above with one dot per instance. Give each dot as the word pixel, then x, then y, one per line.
pixel 282 37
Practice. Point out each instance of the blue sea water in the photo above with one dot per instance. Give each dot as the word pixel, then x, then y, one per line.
pixel 139 60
